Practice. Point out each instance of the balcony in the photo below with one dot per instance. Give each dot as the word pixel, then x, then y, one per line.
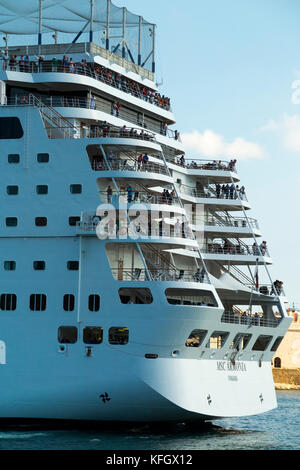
pixel 97 72
pixel 234 195
pixel 142 197
pixel 130 165
pixel 250 320
pixel 156 233
pixel 234 250
pixel 228 221
pixel 161 275
pixel 97 104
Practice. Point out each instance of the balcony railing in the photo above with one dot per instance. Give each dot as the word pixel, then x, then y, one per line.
pixel 268 289
pixel 228 249
pixel 140 197
pixel 238 222
pixel 98 104
pixel 250 320
pixel 158 275
pixel 210 193
pixel 131 165
pixel 132 231
pixel 197 164
pixel 96 72
pixel 106 131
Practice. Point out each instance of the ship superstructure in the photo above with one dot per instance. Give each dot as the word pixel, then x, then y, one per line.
pixel 135 286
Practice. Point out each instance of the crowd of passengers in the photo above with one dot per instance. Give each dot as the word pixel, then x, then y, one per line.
pixel 239 249
pixel 232 191
pixel 104 129
pixel 24 64
pixel 214 165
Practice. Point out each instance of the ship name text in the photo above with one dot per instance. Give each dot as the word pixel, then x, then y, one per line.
pixel 228 365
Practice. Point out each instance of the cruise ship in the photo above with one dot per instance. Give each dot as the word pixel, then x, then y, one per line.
pixel 134 284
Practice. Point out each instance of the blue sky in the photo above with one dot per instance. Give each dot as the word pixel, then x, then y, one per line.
pixel 229 67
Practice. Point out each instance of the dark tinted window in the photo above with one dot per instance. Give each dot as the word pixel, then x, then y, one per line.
pixel 42 189
pixel 39 265
pixel 276 344
pixel 73 265
pixel 262 343
pixel 41 221
pixel 118 335
pixel 37 302
pixel 10 128
pixel 43 157
pixel 12 190
pixel 69 302
pixel 67 334
pixel 92 335
pixel 94 303
pixel 135 295
pixel 73 221
pixel 8 302
pixel 9 265
pixel 75 188
pixel 13 158
pixel 11 221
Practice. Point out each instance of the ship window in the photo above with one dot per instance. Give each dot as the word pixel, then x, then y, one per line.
pixel 10 128
pixel 41 221
pixel 13 158
pixel 118 335
pixel 11 221
pixel 135 296
pixel 217 340
pixel 240 342
pixel 9 265
pixel 196 338
pixel 42 189
pixel 262 343
pixel 276 343
pixel 67 334
pixel 76 188
pixel 12 190
pixel 8 302
pixel 94 303
pixel 38 302
pixel 73 265
pixel 39 265
pixel 69 302
pixel 43 157
pixel 92 335
pixel 73 221
pixel 193 297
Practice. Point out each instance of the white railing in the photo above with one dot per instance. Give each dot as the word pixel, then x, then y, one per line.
pixel 209 193
pixel 237 222
pixel 250 320
pixel 158 275
pixel 230 249
pixel 143 198
pixel 94 71
pixel 131 165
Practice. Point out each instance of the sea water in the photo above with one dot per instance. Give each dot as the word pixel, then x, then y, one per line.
pixel 276 430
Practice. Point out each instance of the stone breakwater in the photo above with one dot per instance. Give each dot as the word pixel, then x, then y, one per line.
pixel 286 379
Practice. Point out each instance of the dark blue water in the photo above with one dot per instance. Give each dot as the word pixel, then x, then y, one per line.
pixel 276 430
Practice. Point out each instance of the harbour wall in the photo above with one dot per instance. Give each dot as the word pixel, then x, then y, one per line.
pixel 286 379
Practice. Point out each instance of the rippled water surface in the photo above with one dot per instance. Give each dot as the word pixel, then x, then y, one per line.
pixel 276 430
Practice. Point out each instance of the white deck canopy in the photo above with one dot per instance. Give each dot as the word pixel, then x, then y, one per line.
pixel 123 32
